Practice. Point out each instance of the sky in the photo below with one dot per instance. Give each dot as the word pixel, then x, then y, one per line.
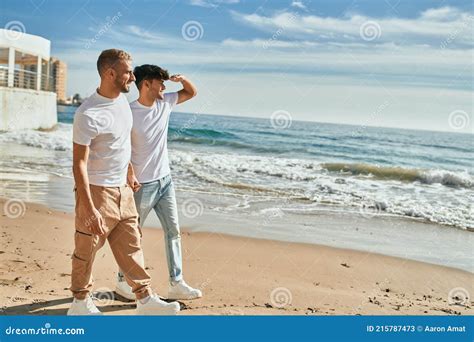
pixel 390 63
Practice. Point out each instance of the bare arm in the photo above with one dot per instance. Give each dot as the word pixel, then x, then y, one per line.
pixel 189 89
pixel 132 179
pixel 87 210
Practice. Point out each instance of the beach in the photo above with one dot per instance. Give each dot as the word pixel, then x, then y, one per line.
pixel 261 171
pixel 238 275
pixel 313 219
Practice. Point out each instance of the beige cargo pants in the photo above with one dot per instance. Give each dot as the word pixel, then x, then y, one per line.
pixel 117 207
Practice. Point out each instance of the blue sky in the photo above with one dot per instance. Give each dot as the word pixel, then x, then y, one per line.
pixel 393 63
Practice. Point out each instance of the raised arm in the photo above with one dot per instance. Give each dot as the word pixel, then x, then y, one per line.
pixel 87 210
pixel 189 89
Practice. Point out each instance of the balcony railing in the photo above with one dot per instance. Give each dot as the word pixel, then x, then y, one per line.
pixel 3 77
pixel 25 79
pixel 47 83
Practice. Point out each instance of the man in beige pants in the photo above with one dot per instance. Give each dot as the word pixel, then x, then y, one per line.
pixel 105 208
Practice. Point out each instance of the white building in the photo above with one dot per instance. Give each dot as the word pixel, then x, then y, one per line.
pixel 26 97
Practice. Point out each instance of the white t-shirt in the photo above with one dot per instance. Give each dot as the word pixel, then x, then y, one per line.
pixel 104 125
pixel 149 138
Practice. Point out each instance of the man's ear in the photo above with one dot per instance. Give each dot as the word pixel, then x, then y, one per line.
pixel 111 73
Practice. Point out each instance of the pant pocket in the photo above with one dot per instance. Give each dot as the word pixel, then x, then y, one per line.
pixel 84 246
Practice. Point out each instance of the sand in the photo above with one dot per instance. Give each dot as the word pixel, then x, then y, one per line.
pixel 238 276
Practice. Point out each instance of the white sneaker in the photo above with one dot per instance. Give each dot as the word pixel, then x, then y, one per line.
pixel 181 290
pixel 123 289
pixel 154 306
pixel 83 307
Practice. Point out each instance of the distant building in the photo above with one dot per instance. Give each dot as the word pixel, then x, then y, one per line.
pixel 27 99
pixel 59 78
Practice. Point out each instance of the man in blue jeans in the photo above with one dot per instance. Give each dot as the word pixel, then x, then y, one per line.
pixel 149 175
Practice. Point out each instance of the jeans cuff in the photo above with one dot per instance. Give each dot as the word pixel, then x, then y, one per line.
pixel 174 280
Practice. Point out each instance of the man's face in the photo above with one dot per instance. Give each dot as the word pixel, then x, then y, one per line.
pixel 123 75
pixel 157 89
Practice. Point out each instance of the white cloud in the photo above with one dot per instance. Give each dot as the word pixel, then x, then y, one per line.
pixel 442 14
pixel 212 3
pixel 432 26
pixel 299 4
pixel 412 65
pixel 267 43
pixel 139 32
pixel 345 77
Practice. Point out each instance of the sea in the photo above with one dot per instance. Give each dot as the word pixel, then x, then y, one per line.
pixel 292 174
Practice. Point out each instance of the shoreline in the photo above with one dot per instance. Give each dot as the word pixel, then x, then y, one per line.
pixel 205 212
pixel 238 275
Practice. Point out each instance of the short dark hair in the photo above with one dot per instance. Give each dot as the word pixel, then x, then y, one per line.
pixel 108 58
pixel 149 72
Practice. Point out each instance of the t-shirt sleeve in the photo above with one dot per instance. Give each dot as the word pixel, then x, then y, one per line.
pixel 171 98
pixel 84 129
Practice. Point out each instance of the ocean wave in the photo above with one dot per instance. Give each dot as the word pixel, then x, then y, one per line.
pixel 58 139
pixel 444 177
pixel 199 132
pixel 209 141
pixel 231 144
pixel 443 147
pixel 312 183
pixel 234 185
pixel 447 178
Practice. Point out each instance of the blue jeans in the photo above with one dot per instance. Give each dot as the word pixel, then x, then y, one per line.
pixel 160 196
